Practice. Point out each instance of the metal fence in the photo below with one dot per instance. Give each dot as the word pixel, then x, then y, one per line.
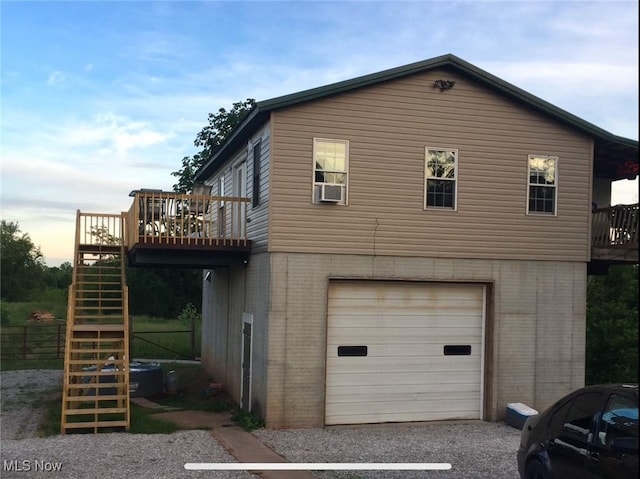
pixel 47 341
pixel 37 341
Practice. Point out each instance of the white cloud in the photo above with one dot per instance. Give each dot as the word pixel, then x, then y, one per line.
pixel 107 133
pixel 56 78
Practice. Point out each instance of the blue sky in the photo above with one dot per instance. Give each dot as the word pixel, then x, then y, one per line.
pixel 99 98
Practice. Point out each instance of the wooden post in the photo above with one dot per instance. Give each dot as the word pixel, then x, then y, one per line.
pixel 24 342
pixel 193 336
pixel 58 341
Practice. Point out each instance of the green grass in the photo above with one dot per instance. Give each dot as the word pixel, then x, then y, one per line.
pixel 247 421
pixel 142 420
pixel 53 301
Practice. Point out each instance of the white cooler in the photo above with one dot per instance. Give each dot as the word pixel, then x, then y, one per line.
pixel 517 414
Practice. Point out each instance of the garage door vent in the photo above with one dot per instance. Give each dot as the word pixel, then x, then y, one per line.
pixel 352 350
pixel 457 350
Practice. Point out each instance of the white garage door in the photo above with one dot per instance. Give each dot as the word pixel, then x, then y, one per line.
pixel 401 351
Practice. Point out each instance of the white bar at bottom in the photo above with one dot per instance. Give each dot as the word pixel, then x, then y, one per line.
pixel 317 466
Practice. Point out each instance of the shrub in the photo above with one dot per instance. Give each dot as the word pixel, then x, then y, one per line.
pixel 5 317
pixel 189 314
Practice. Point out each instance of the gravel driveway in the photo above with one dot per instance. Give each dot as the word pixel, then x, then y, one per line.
pixel 475 449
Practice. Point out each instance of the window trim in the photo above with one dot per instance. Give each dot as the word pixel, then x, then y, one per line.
pixel 455 180
pixel 315 184
pixel 554 186
pixel 222 210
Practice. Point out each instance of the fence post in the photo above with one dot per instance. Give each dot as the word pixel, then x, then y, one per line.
pixel 193 336
pixel 58 343
pixel 24 342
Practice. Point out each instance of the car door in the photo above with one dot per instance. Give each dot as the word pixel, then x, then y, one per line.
pixel 569 447
pixel 618 421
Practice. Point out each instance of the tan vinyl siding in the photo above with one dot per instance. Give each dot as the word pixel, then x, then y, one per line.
pixel 388 126
pixel 257 229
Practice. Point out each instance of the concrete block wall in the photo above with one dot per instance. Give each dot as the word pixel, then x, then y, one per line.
pixel 538 327
pixel 257 304
pixel 232 291
pixel 215 323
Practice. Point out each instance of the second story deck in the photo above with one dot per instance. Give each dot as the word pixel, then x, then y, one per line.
pixel 614 235
pixel 171 229
pixel 189 230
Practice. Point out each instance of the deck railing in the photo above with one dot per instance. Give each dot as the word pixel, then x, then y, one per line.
pixel 99 229
pixel 169 218
pixel 615 226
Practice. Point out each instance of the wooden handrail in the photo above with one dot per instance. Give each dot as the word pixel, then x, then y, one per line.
pixel 99 229
pixel 157 217
pixel 615 226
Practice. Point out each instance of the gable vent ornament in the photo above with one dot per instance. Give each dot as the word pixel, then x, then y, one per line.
pixel 444 84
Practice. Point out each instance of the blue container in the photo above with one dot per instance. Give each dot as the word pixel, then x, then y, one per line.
pixel 518 413
pixel 145 380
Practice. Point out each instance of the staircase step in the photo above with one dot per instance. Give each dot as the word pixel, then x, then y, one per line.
pixel 96 302
pixel 96 362
pixel 98 327
pixel 101 340
pixel 95 316
pixel 84 374
pixel 85 269
pixel 99 410
pixel 94 385
pixel 105 336
pixel 103 308
pixel 93 267
pixel 93 350
pixel 100 271
pixel 95 424
pixel 94 398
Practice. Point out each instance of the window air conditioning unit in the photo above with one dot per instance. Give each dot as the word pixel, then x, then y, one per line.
pixel 331 193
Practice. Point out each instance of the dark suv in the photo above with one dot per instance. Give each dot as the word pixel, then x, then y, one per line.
pixel 591 433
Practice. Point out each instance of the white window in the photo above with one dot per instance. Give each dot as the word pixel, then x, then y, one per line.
pixel 330 170
pixel 543 181
pixel 441 166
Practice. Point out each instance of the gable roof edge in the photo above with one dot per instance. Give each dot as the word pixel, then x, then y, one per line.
pixel 262 110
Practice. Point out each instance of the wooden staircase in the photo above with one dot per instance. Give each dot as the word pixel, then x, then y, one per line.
pixel 96 365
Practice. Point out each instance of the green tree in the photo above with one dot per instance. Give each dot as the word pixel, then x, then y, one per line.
pixel 163 292
pixel 612 326
pixel 22 272
pixel 210 139
pixel 59 277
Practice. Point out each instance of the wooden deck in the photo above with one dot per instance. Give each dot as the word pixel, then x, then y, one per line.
pixel 186 230
pixel 170 229
pixel 614 235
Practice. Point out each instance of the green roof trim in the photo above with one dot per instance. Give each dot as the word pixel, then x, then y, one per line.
pixel 261 111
